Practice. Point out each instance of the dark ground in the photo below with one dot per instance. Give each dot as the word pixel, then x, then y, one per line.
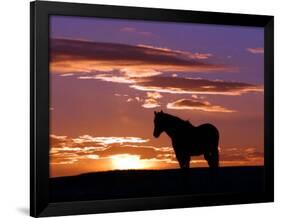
pixel 147 183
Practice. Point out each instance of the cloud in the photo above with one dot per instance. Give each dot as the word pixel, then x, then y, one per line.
pixel 136 98
pixel 141 67
pixel 128 29
pixel 108 140
pixel 57 140
pixel 179 85
pixel 65 151
pixel 109 77
pixel 135 31
pixel 197 97
pixel 183 54
pixel 86 144
pixel 146 33
pixel 190 104
pixel 69 56
pixel 152 100
pixel 154 95
pixel 145 152
pixel 67 74
pixel 243 155
pixel 150 103
pixel 255 50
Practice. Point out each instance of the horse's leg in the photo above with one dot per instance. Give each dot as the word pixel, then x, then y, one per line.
pixel 207 158
pixel 180 160
pixel 187 164
pixel 215 154
pixel 214 158
pixel 182 164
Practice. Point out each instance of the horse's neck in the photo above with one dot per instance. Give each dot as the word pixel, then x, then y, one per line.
pixel 175 128
pixel 170 132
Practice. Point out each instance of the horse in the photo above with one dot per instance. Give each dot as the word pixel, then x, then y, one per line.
pixel 188 140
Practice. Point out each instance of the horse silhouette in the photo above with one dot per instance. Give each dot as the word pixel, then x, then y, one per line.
pixel 188 140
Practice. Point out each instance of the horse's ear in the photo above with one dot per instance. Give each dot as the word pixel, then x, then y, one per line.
pixel 155 112
pixel 161 111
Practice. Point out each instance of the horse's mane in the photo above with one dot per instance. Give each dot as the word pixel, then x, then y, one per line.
pixel 189 123
pixel 178 120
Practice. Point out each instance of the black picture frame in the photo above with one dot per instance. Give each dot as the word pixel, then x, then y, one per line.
pixel 39 108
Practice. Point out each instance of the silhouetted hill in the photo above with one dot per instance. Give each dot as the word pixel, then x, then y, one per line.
pixel 142 183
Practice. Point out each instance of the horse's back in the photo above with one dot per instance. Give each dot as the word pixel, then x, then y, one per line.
pixel 208 133
pixel 208 127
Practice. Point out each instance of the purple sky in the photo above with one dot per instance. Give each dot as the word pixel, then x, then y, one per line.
pixel 228 43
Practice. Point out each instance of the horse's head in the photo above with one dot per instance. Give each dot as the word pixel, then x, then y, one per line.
pixel 158 123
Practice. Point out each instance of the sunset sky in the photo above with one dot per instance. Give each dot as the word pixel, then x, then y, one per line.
pixel 107 77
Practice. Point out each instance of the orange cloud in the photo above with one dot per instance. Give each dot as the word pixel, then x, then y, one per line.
pixel 66 150
pixel 255 50
pixel 174 52
pixel 152 100
pixel 68 56
pixel 242 155
pixel 190 104
pixel 91 154
pixel 116 78
pixel 154 95
pixel 108 140
pixel 179 85
pixel 150 103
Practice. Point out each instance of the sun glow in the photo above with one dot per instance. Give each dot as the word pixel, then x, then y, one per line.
pixel 127 161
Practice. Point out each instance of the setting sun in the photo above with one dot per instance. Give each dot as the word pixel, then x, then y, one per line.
pixel 127 161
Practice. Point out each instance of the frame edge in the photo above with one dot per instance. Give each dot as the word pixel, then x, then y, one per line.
pixel 269 108
pixel 32 202
pixel 39 122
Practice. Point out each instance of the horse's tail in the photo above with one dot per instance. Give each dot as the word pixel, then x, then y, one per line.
pixel 214 160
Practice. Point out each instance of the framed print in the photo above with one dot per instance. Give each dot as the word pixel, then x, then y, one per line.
pixel 140 108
